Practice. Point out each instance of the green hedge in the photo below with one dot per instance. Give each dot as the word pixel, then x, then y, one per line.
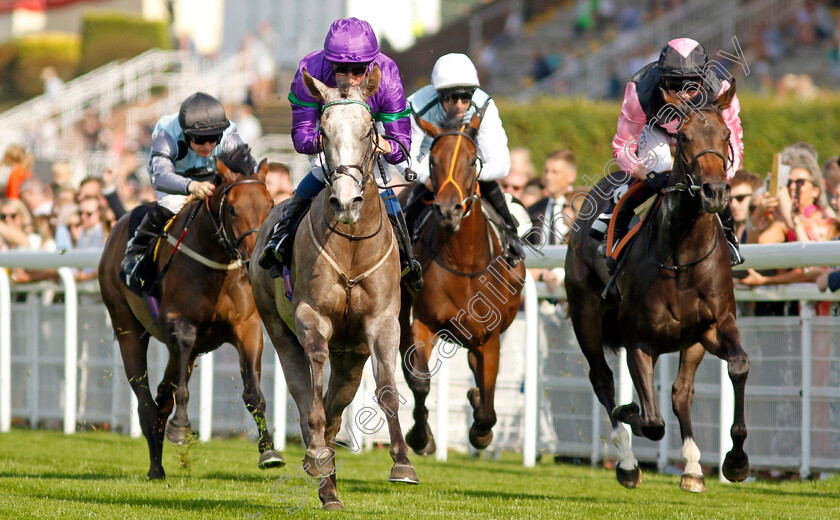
pixel 58 50
pixel 587 128
pixel 109 36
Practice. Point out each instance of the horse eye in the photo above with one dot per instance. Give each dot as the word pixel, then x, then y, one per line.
pixel 232 211
pixel 682 138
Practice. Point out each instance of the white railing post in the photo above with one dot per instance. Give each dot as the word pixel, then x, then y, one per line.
pixel 727 415
pixel 532 373
pixel 5 352
pixel 806 315
pixel 205 416
pixel 71 338
pixel 442 437
pixel 280 405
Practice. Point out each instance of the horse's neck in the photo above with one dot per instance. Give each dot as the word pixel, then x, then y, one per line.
pixel 202 231
pixel 684 226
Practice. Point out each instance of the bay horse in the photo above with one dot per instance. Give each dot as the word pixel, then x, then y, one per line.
pixel 204 300
pixel 677 296
pixel 345 303
pixel 471 295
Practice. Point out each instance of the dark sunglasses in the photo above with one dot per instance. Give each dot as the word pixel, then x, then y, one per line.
pixel 355 69
pixel 798 182
pixel 9 216
pixel 742 197
pixel 88 213
pixel 454 97
pixel 204 139
pixel 677 85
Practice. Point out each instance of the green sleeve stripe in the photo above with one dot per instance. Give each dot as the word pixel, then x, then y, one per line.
pixel 294 99
pixel 390 117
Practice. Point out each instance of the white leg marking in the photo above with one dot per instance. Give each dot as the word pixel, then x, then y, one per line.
pixel 621 440
pixel 691 457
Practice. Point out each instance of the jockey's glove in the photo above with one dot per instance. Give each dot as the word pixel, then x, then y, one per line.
pixel 656 181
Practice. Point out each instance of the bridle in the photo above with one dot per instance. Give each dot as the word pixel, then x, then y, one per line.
pixel 230 245
pixel 366 168
pixel 467 202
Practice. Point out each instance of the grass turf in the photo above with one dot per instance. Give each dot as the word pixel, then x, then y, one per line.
pixel 47 474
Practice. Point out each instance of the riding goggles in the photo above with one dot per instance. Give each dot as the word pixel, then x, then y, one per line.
pixel 357 69
pixel 204 139
pixel 454 96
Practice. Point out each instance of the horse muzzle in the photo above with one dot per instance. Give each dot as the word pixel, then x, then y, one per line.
pixel 349 211
pixel 714 196
pixel 449 218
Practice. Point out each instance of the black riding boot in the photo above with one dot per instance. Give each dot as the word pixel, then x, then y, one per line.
pixel 414 207
pixel 278 248
pixel 728 222
pixel 147 231
pixel 412 271
pixel 492 193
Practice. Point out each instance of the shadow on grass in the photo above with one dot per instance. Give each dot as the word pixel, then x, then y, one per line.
pixel 175 503
pixel 69 476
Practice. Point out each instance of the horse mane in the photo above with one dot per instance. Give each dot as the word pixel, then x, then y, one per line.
pixel 235 162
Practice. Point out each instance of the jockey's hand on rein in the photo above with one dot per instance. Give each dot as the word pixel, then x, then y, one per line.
pixel 201 189
pixel 383 145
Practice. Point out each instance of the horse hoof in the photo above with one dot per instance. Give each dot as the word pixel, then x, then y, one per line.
pixel 156 474
pixel 629 479
pixel 474 397
pixel 420 445
pixel 480 441
pixel 317 468
pixel 693 483
pixel 736 468
pixel 654 433
pixel 625 412
pixel 333 506
pixel 178 435
pixel 403 473
pixel 271 459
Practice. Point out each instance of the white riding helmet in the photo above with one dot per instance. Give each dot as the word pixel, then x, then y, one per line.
pixel 454 70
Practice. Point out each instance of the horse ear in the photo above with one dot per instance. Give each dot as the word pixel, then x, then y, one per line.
pixel 262 170
pixel 725 99
pixel 428 127
pixel 475 122
pixel 670 99
pixel 370 86
pixel 224 172
pixel 315 87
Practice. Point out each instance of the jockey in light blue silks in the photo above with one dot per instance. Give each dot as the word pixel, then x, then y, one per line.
pixel 183 162
pixel 350 51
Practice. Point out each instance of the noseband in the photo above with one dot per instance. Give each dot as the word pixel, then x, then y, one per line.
pixel 466 202
pixel 231 246
pixel 366 168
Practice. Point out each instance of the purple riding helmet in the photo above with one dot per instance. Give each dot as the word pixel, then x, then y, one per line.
pixel 351 40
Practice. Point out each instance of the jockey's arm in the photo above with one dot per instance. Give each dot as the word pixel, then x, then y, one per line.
pixel 162 166
pixel 631 122
pixel 493 145
pixel 419 152
pixel 393 112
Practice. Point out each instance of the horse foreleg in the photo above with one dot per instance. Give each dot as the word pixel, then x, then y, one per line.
pixel 345 375
pixel 650 424
pixel 416 350
pixel 179 428
pixel 383 338
pixel 166 397
pixel 484 362
pixel 250 365
pixel 725 343
pixel 313 332
pixel 682 397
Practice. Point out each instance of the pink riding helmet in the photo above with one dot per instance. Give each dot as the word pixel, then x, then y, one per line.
pixel 351 40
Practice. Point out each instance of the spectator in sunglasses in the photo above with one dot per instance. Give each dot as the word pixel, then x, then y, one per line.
pixel 350 52
pixel 743 185
pixel 682 70
pixel 455 94
pixel 183 162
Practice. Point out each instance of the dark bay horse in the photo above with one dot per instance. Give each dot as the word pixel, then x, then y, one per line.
pixel 346 276
pixel 677 296
pixel 471 295
pixel 205 300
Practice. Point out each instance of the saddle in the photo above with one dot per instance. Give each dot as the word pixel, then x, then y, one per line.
pixel 636 223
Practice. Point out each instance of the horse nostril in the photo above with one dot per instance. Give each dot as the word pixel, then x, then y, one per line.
pixel 458 208
pixel 334 204
pixel 708 192
pixel 357 201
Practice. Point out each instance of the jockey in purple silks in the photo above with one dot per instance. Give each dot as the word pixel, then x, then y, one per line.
pixel 350 51
pixel 643 149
